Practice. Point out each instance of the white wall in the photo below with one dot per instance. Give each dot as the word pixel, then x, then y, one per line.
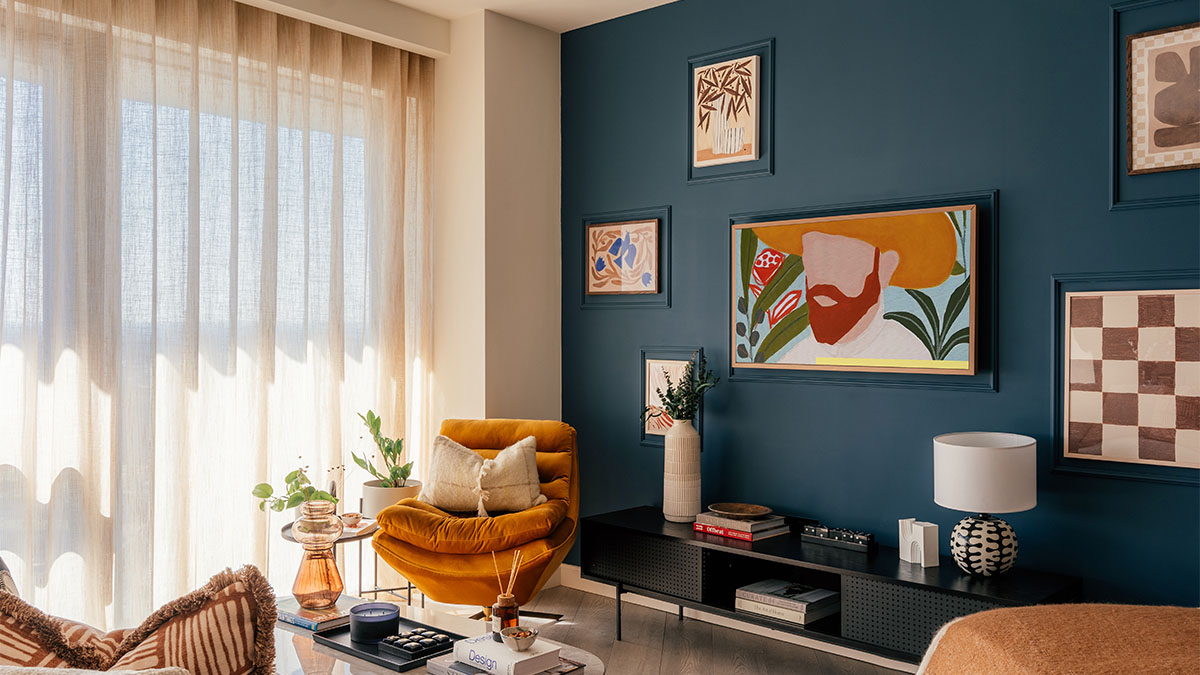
pixel 497 252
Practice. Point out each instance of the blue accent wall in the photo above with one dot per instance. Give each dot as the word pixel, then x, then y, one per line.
pixel 874 100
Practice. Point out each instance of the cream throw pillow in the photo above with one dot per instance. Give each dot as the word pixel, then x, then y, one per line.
pixel 459 479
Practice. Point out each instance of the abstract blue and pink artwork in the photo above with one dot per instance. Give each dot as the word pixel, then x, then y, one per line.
pixel 622 258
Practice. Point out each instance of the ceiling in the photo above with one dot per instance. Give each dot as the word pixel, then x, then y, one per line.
pixel 559 16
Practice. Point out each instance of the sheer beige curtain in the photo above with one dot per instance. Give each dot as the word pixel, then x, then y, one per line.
pixel 213 254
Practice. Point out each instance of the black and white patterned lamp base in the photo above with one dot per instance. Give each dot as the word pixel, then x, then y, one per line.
pixel 983 545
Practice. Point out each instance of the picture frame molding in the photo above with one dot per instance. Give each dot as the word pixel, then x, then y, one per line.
pixel 676 353
pixel 1100 282
pixel 659 300
pixel 1119 133
pixel 986 377
pixel 765 164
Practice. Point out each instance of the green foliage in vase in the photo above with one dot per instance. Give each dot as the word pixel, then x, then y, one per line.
pixel 681 400
pixel 394 473
pixel 933 330
pixel 297 490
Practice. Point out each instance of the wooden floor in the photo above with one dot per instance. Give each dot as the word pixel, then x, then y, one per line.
pixel 658 642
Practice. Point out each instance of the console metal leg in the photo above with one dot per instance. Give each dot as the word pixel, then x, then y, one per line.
pixel 620 590
pixel 681 612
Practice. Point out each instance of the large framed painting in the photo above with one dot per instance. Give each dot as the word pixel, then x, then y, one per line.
pixel 1163 115
pixel 891 291
pixel 730 121
pixel 626 259
pixel 1129 374
pixel 658 364
pixel 622 258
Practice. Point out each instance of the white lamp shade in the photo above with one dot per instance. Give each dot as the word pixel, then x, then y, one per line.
pixel 985 472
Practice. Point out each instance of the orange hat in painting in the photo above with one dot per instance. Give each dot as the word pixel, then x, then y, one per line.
pixel 926 242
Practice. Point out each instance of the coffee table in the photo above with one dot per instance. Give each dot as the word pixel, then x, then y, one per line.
pixel 297 654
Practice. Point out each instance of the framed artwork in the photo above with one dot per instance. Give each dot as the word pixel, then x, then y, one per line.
pixel 626 259
pixel 730 122
pixel 1163 115
pixel 622 258
pixel 657 364
pixel 882 291
pixel 725 112
pixel 1128 382
pixel 1155 136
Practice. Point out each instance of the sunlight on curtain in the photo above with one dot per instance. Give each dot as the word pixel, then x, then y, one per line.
pixel 213 254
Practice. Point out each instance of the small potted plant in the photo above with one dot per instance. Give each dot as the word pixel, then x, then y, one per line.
pixel 318 583
pixel 392 484
pixel 681 446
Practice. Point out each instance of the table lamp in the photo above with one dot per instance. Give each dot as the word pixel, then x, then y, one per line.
pixel 984 472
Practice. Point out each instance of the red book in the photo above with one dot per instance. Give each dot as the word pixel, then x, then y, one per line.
pixel 739 534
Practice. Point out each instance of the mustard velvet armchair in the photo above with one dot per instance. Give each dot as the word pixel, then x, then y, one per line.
pixel 449 556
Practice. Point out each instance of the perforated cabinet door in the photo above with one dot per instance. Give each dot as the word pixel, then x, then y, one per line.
pixel 899 616
pixel 644 561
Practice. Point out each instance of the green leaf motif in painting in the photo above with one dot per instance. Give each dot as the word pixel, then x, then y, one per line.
pixel 785 276
pixel 784 332
pixel 961 336
pixel 931 314
pixel 914 325
pixel 954 306
pixel 749 249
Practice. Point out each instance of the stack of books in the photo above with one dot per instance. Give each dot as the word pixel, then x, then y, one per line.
pixel 786 601
pixel 484 655
pixel 290 611
pixel 752 529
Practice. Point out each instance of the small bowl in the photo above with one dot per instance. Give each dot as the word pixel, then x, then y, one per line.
pixel 518 644
pixel 351 519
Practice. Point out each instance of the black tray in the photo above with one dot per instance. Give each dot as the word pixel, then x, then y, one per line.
pixel 339 639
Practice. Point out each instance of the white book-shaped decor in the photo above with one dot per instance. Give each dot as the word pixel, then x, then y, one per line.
pixel 918 542
pixel 485 653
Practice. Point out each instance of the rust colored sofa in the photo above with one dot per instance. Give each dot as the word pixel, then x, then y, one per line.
pixel 448 556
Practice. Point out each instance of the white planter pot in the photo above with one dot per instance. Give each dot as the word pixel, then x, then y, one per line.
pixel 376 498
pixel 681 472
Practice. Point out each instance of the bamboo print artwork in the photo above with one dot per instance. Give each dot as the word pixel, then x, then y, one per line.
pixel 725 120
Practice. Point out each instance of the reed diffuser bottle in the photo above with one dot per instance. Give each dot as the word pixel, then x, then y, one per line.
pixel 506 613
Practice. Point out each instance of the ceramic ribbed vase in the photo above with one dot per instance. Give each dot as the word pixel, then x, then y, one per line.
pixel 681 472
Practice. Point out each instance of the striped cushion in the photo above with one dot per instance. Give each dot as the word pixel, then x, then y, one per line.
pixel 225 628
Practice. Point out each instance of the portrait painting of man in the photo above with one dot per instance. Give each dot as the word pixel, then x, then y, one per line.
pixel 884 291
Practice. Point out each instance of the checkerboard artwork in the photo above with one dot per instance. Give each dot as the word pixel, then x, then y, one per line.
pixel 1133 377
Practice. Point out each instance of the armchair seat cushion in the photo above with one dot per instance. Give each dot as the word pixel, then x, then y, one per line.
pixel 431 529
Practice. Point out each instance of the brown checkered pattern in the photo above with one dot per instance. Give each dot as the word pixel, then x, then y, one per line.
pixel 1134 376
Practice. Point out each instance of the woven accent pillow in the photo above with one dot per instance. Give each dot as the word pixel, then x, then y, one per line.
pixel 19 670
pixel 224 628
pixel 459 479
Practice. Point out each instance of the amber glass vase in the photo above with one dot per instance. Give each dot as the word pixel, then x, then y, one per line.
pixel 318 583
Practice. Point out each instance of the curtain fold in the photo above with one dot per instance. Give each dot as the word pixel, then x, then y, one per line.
pixel 213 254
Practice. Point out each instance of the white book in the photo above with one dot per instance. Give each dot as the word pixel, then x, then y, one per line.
pixel 485 653
pixel 789 615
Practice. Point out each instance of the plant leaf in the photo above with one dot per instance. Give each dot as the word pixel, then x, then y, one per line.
pixel 931 314
pixel 961 336
pixel 784 277
pixel 914 325
pixel 749 249
pixel 792 325
pixel 955 305
pixel 958 269
pixel 291 477
pixel 263 490
pixel 743 352
pixel 740 329
pixel 754 338
pixel 741 304
pixel 295 500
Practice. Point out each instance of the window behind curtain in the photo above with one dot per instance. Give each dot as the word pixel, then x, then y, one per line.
pixel 213 254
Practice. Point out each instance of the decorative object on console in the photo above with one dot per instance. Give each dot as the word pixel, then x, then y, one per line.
pixel 919 542
pixel 656 363
pixel 730 113
pixel 891 291
pixel 393 483
pixel 787 601
pixel 371 622
pixel 739 511
pixel 681 458
pixel 1163 123
pixel 816 533
pixel 1131 386
pixel 506 613
pixel 737 521
pixel 622 258
pixel 984 472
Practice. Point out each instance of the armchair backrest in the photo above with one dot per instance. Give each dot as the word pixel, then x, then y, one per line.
pixel 557 452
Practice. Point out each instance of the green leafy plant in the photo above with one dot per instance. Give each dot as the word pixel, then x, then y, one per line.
pixel 394 474
pixel 681 400
pixel 297 490
pixel 934 330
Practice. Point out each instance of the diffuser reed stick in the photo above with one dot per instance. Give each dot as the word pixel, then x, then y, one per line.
pixel 497 567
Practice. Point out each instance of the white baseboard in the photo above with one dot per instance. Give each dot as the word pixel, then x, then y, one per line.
pixel 569 576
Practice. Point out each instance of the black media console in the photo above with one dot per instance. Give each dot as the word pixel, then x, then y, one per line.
pixel 889 607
